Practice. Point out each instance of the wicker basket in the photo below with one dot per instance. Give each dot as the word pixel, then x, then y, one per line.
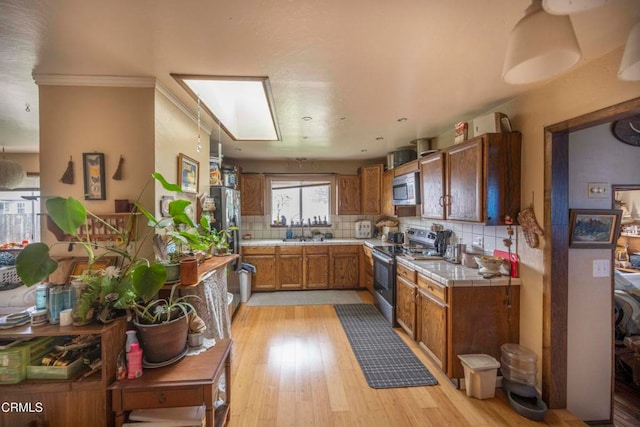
pixel 9 275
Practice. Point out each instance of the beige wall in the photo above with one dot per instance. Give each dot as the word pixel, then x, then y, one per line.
pixel 346 167
pixel 113 121
pixel 176 133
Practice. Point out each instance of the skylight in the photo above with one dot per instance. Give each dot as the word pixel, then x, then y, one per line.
pixel 242 105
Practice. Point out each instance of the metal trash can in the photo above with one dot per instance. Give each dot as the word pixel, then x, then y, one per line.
pixel 245 272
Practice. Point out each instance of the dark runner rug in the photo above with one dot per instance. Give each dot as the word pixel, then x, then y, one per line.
pixel 384 358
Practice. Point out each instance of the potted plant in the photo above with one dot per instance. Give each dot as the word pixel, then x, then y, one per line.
pixel 218 239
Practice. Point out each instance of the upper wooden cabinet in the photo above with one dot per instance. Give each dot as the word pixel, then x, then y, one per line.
pixel 371 189
pixel 405 168
pixel 252 194
pixel 481 180
pixel 348 194
pixel 387 193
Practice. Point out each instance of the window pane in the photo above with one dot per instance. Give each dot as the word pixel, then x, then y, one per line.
pixel 19 219
pixel 300 200
pixel 315 202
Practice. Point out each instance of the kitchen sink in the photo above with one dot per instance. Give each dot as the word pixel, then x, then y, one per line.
pixel 303 239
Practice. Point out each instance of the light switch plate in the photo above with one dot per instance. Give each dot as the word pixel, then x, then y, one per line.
pixel 601 268
pixel 598 190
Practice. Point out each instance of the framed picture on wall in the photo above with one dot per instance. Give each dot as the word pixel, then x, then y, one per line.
pixel 594 228
pixel 93 174
pixel 188 174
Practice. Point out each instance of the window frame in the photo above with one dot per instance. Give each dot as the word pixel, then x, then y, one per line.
pixel 331 178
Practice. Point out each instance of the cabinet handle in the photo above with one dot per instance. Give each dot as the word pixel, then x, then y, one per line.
pixel 441 201
pixel 162 398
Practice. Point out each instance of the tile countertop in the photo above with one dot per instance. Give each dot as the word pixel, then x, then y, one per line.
pixel 280 242
pixel 449 274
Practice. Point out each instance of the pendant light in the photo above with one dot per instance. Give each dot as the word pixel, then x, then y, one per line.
pixel 630 65
pixel 566 7
pixel 11 173
pixel 540 46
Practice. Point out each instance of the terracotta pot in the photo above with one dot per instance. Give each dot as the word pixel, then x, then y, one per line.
pixel 188 271
pixel 163 341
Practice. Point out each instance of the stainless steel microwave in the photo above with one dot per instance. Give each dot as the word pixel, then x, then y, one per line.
pixel 406 189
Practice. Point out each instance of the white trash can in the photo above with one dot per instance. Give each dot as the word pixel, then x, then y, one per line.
pixel 245 285
pixel 480 372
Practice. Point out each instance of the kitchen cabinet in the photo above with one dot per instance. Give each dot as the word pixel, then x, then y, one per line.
pixel 371 189
pixel 290 267
pixel 348 194
pixel 406 299
pixel 344 262
pixel 366 272
pixel 388 208
pixel 432 320
pixel 252 194
pixel 481 181
pixel 405 168
pixel 316 267
pixel 81 402
pixel 465 320
pixel 264 259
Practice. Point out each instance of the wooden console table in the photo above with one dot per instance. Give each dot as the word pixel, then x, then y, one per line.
pixel 192 381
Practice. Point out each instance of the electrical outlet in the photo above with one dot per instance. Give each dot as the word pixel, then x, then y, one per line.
pixel 479 242
pixel 601 268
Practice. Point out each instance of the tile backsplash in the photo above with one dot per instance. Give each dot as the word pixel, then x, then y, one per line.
pixel 343 227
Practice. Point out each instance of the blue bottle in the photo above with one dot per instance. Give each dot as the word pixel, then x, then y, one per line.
pixel 289 232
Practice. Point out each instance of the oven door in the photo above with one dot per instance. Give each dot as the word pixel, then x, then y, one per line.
pixel 384 279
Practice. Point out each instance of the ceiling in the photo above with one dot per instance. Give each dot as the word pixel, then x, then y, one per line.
pixel 355 67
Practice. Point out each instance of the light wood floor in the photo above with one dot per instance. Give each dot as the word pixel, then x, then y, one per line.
pixel 293 366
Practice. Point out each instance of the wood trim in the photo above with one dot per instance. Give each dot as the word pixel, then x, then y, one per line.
pixel 556 250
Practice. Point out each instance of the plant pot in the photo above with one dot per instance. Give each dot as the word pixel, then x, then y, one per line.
pixel 189 271
pixel 173 272
pixel 222 251
pixel 163 341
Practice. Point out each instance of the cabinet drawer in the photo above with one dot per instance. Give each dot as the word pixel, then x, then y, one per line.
pixel 434 289
pixel 290 250
pixel 406 272
pixel 171 397
pixel 258 250
pixel 317 249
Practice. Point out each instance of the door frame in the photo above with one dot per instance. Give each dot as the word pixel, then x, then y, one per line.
pixel 556 250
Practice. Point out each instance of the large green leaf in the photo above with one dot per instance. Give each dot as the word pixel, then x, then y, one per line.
pixel 147 280
pixel 167 185
pixel 34 264
pixel 68 214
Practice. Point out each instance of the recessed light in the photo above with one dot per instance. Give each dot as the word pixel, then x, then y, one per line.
pixel 364 150
pixel 343 118
pixel 402 119
pixel 306 118
pixel 379 138
pixel 305 137
pixel 238 149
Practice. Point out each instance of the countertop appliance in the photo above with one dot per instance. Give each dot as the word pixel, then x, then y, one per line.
pixel 225 215
pixel 363 229
pixel 420 245
pixel 406 189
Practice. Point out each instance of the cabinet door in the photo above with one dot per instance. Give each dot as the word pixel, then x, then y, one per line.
pixel 317 270
pixel 252 194
pixel 371 178
pixel 464 181
pixel 348 194
pixel 367 269
pixel 265 276
pixel 344 267
pixel 432 334
pixel 432 186
pixel 290 268
pixel 387 193
pixel 406 306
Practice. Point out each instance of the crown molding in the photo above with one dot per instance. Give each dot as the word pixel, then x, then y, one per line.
pixel 101 81
pixel 181 106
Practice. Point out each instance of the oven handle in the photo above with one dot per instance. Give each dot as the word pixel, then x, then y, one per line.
pixel 382 258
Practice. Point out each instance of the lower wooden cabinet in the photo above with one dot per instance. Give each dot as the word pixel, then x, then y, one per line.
pixel 263 259
pixel 406 306
pixel 316 267
pixel 344 263
pixel 366 271
pixel 432 328
pixel 290 267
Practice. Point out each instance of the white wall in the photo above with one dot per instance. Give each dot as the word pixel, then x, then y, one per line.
pixel 594 156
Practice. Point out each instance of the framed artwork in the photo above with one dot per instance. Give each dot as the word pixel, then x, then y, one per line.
pixel 594 228
pixel 93 173
pixel 82 264
pixel 188 174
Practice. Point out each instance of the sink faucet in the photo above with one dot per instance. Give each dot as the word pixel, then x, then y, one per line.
pixel 302 237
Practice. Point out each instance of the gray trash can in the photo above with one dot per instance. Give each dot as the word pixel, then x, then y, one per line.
pixel 245 272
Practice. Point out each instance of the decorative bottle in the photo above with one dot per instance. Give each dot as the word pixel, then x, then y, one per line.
pixel 134 361
pixel 131 338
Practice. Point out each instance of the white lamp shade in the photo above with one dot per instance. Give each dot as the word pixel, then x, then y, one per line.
pixel 11 174
pixel 565 7
pixel 630 65
pixel 540 46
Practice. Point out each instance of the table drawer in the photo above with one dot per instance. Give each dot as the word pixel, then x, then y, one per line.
pixel 406 272
pixel 168 397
